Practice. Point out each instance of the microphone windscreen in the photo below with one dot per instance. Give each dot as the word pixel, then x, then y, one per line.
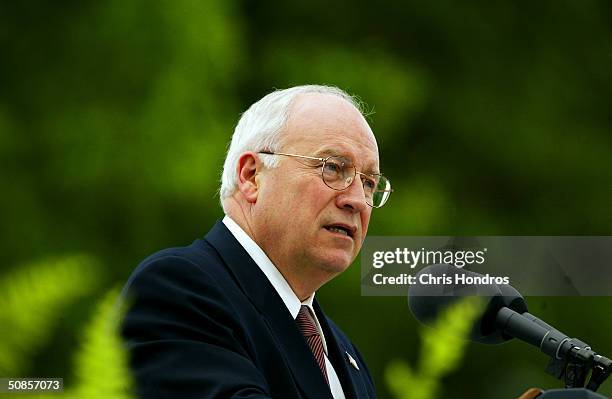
pixel 436 289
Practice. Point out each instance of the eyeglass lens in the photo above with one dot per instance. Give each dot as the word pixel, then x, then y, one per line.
pixel 338 174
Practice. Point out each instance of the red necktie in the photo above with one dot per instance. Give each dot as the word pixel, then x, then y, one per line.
pixel 312 337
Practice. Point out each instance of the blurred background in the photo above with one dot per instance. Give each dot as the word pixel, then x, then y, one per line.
pixel 492 118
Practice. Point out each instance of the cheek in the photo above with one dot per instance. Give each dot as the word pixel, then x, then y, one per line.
pixel 279 193
pixel 365 221
pixel 298 200
pixel 313 195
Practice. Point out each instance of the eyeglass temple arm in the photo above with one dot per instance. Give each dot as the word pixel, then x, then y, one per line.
pixel 292 155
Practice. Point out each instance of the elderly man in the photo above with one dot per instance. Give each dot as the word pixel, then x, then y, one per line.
pixel 233 315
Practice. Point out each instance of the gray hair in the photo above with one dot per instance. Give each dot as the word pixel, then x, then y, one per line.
pixel 261 127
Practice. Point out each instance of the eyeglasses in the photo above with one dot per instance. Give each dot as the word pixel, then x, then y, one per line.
pixel 338 173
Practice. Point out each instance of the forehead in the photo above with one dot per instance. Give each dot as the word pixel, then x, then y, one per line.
pixel 325 124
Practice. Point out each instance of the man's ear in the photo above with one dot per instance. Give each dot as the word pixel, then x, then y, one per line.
pixel 249 168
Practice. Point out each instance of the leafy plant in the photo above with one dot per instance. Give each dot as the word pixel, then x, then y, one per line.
pixel 442 349
pixel 101 363
pixel 32 299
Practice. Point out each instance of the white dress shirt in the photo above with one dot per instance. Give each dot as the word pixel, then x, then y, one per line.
pixel 292 302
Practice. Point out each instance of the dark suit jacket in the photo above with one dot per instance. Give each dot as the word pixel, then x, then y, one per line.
pixel 204 322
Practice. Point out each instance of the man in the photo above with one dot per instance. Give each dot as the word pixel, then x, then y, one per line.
pixel 234 315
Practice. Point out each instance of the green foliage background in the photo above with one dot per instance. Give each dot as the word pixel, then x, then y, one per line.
pixel 491 117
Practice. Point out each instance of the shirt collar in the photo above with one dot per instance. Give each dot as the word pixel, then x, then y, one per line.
pixel 291 301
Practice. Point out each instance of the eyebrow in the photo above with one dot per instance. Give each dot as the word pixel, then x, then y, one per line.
pixel 328 152
pixel 333 152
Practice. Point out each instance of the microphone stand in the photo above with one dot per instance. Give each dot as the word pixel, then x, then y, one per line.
pixel 571 359
pixel 576 360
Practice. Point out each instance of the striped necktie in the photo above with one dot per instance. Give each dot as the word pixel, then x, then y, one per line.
pixel 312 337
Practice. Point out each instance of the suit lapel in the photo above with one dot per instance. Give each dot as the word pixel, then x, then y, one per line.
pixel 264 297
pixel 338 356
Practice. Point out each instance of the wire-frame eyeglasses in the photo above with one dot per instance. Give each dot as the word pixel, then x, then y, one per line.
pixel 338 174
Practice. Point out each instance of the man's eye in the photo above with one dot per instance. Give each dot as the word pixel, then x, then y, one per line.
pixel 369 184
pixel 332 167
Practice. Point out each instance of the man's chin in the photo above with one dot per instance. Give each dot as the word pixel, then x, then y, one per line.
pixel 336 263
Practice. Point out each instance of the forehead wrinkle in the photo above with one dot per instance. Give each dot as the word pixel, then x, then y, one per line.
pixel 329 150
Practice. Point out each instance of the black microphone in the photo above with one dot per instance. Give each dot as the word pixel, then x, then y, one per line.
pixel 427 301
pixel 505 316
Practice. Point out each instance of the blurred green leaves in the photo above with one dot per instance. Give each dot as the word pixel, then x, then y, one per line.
pixel 120 123
pixel 101 362
pixel 441 352
pixel 394 91
pixel 33 300
pixel 31 303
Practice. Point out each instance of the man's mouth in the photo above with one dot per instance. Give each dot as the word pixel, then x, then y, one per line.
pixel 341 229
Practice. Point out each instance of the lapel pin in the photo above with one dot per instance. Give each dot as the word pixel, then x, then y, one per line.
pixel 352 361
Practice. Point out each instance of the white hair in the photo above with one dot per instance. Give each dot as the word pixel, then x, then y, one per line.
pixel 261 127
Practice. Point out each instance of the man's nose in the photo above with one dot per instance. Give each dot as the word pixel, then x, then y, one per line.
pixel 353 197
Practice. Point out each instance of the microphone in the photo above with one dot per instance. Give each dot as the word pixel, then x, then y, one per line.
pixel 427 301
pixel 504 317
